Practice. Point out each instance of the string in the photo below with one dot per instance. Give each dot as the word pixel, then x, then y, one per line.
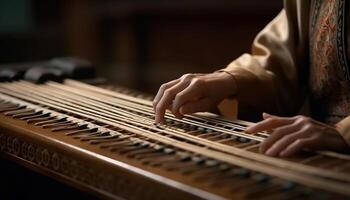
pixel 310 181
pixel 219 147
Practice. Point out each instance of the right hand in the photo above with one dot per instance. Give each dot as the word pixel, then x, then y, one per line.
pixel 193 93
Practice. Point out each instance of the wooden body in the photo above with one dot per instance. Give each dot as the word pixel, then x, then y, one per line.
pixel 75 164
pixel 104 142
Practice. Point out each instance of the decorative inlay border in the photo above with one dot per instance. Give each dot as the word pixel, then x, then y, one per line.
pixel 112 185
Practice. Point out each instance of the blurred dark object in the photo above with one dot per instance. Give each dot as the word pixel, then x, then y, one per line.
pixel 74 67
pixel 41 74
pixel 55 69
pixel 139 44
pixel 10 74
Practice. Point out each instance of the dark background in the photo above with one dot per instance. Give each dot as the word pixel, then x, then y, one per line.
pixel 136 43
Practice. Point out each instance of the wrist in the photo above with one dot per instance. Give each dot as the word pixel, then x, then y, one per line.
pixel 229 83
pixel 343 127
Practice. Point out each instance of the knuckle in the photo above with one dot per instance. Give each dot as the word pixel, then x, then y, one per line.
pixel 303 120
pixel 179 96
pixel 305 131
pixel 288 138
pixel 197 81
pixel 168 92
pixel 300 142
pixel 279 132
pixel 163 86
pixel 186 76
pixel 299 116
pixel 308 127
pixel 271 120
pixel 306 119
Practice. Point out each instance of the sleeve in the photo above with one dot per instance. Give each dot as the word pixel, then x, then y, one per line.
pixel 267 78
pixel 344 129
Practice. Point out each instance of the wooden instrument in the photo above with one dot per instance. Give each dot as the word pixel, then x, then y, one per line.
pixel 103 140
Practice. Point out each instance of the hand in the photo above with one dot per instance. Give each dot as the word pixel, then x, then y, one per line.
pixel 292 134
pixel 193 93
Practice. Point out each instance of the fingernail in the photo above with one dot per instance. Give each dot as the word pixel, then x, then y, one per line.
pixel 162 121
pixel 182 111
pixel 269 152
pixel 157 120
pixel 250 130
pixel 177 115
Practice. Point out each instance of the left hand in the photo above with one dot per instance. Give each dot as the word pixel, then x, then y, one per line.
pixel 291 134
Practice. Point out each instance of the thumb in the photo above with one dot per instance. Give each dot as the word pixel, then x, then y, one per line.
pixel 201 105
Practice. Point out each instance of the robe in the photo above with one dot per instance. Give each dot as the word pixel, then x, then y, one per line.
pixel 301 55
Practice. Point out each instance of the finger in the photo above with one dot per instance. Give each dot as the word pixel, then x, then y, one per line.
pixel 281 144
pixel 161 91
pixel 176 112
pixel 276 135
pixel 298 145
pixel 269 124
pixel 167 99
pixel 196 106
pixel 189 94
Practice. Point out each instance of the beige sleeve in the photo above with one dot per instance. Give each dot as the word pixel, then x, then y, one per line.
pixel 267 79
pixel 344 129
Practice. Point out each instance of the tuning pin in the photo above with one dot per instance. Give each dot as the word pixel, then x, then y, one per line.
pixel 244 173
pixel 288 185
pixel 261 178
pixel 243 139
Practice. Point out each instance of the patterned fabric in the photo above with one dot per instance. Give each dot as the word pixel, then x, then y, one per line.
pixel 347 35
pixel 329 72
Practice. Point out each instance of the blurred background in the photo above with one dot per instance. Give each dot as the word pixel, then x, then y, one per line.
pixel 134 43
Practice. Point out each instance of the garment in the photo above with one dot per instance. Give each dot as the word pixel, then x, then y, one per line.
pixel 329 76
pixel 275 76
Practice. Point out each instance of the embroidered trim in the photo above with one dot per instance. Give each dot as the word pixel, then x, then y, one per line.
pixel 341 36
pixel 341 39
pixel 315 6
